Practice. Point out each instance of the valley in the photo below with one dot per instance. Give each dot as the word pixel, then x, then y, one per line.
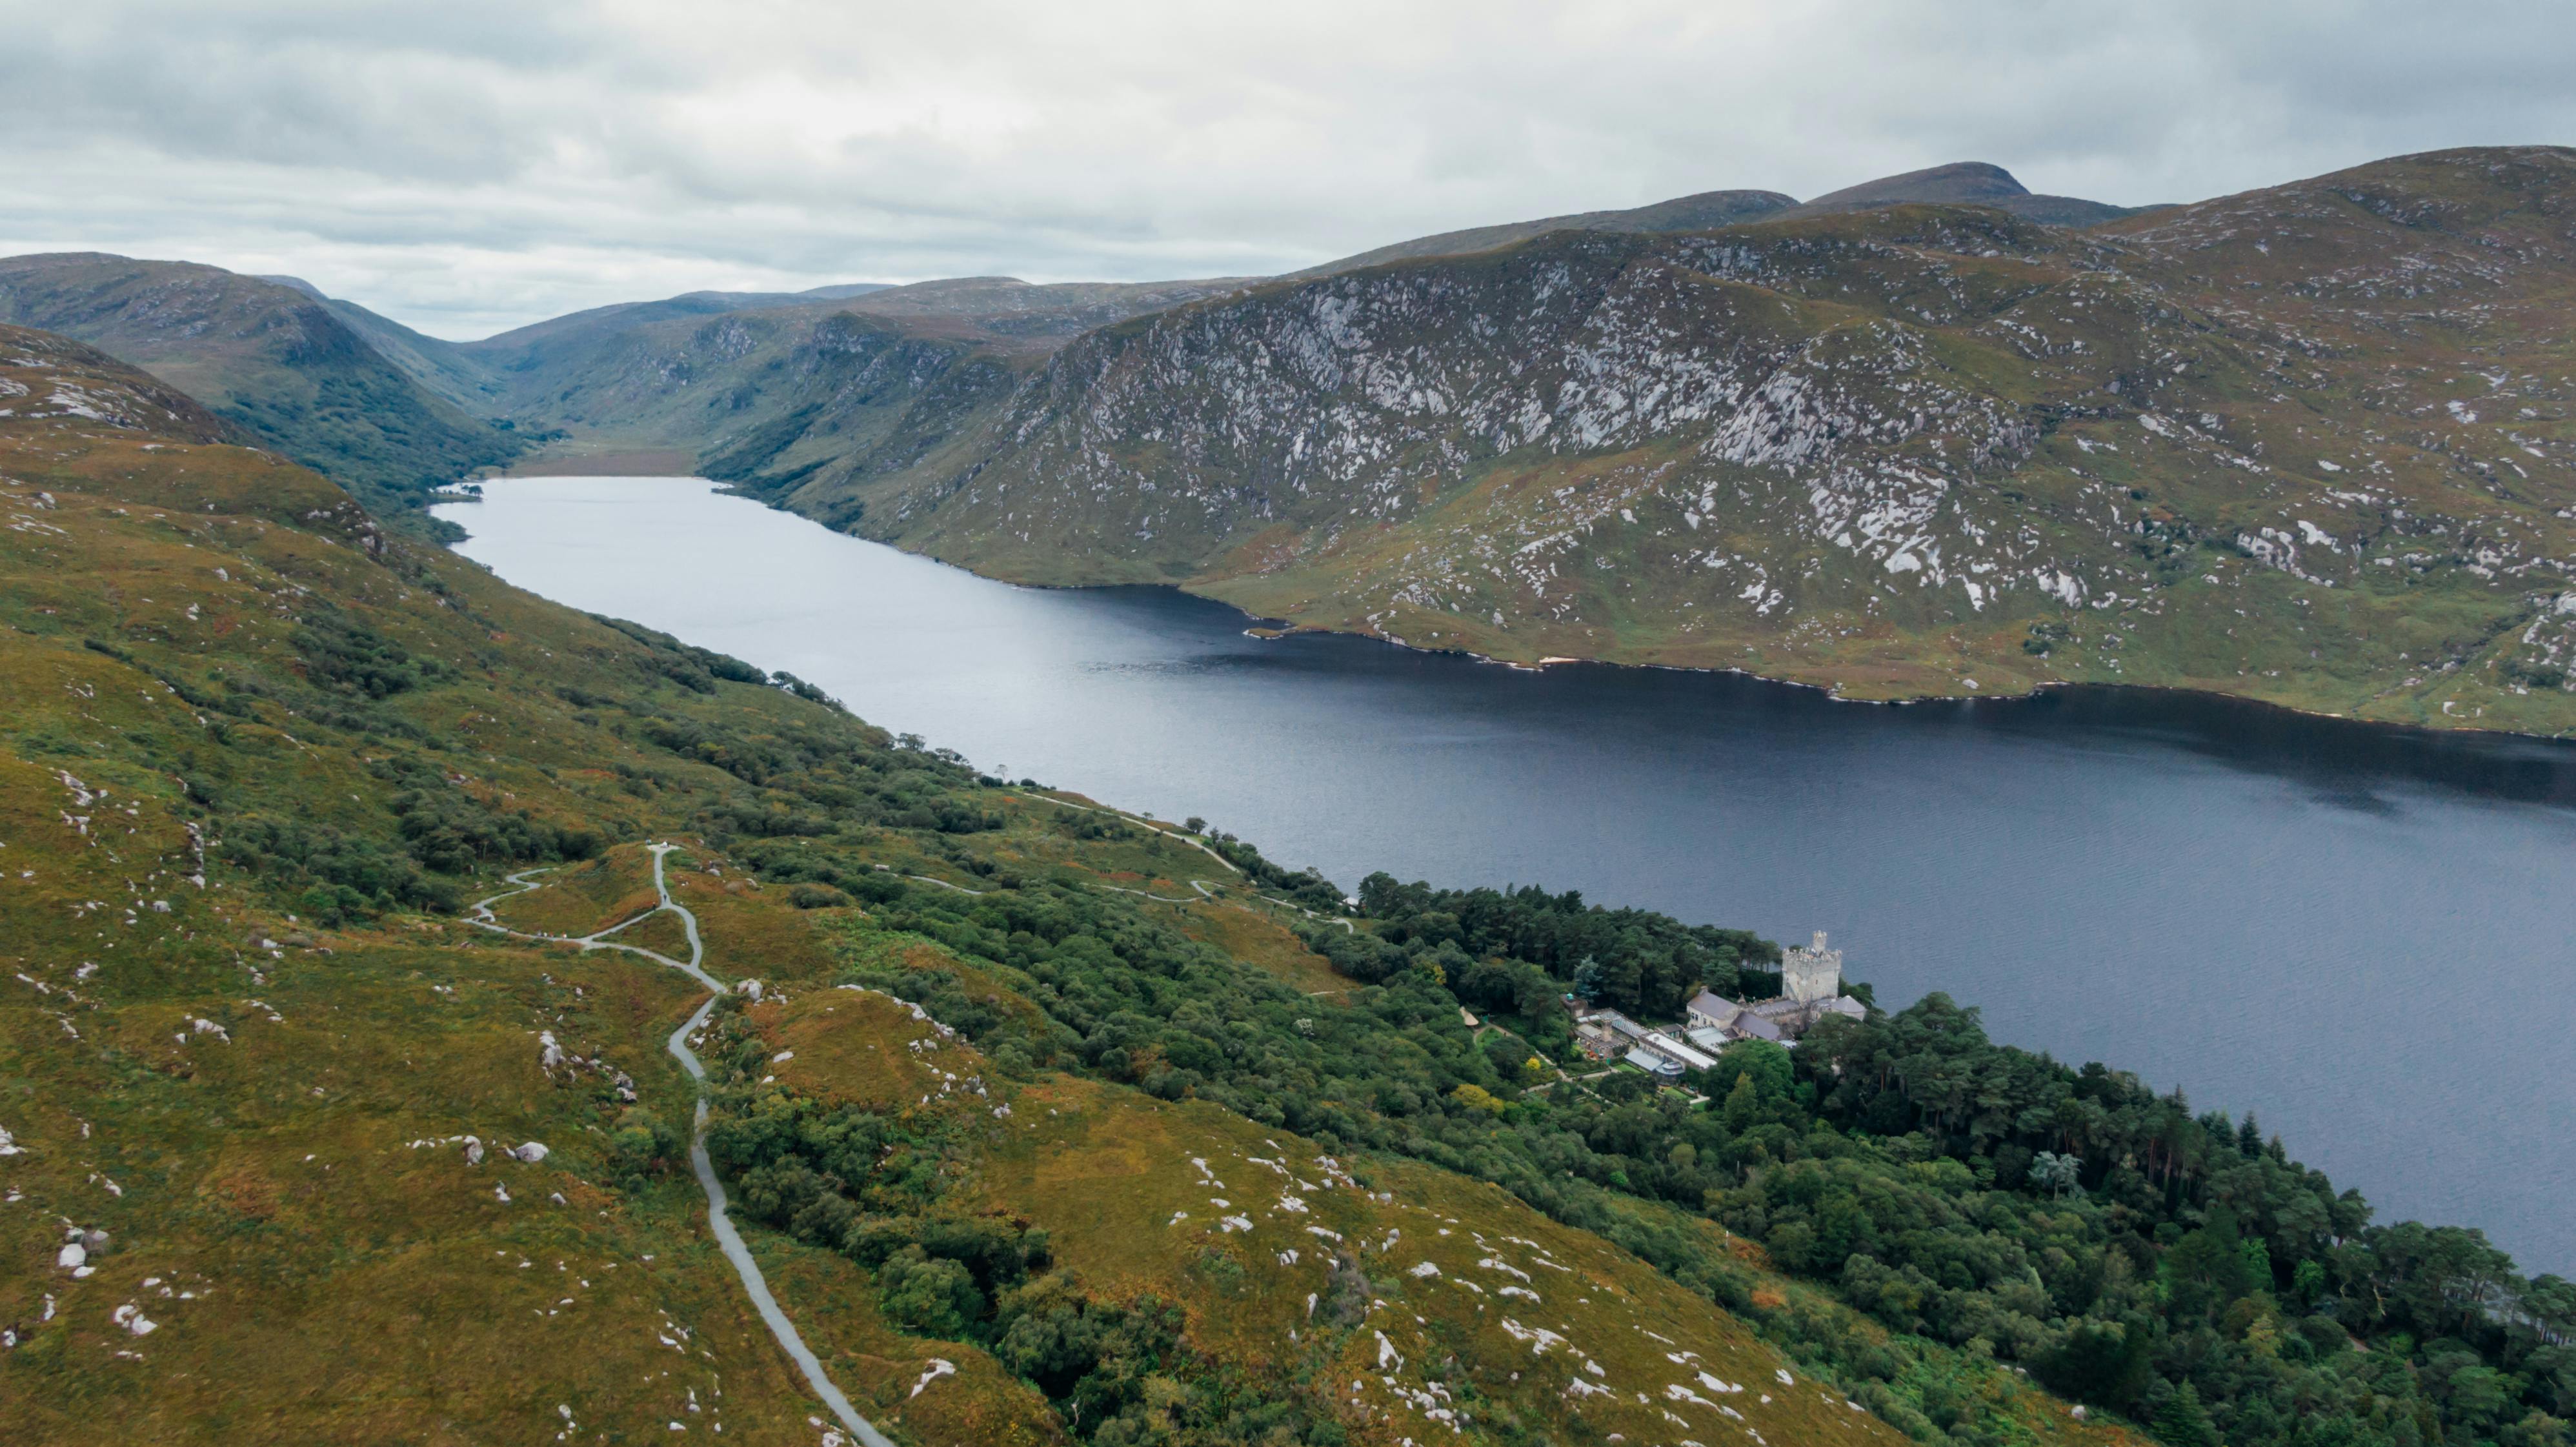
pixel 1928 436
pixel 1159 725
pixel 1024 1150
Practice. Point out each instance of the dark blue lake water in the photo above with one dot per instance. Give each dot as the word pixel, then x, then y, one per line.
pixel 2366 936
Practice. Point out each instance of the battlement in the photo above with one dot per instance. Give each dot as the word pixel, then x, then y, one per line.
pixel 1811 973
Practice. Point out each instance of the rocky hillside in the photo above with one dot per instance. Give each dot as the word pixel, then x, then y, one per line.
pixel 2309 444
pixel 268 356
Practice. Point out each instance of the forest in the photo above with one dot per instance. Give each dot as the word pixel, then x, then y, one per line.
pixel 1964 1201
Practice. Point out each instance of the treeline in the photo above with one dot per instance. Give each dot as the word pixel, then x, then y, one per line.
pixel 1629 959
pixel 2178 1267
pixel 1307 887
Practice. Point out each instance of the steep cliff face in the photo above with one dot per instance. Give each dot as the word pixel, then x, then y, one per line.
pixel 2308 444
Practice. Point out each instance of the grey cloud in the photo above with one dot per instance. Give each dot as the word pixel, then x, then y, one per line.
pixel 475 165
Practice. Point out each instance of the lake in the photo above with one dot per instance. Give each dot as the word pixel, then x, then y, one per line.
pixel 2361 934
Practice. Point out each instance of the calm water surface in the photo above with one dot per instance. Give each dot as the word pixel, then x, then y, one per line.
pixel 2363 935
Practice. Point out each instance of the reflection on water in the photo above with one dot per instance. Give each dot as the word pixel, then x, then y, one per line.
pixel 2358 932
pixel 2345 762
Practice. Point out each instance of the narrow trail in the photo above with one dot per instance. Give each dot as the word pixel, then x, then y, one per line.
pixel 1200 845
pixel 727 1238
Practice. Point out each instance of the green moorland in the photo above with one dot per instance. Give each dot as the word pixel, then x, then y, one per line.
pixel 1046 1123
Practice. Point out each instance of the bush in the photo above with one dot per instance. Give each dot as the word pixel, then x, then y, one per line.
pixel 341 653
pixel 928 1296
pixel 346 877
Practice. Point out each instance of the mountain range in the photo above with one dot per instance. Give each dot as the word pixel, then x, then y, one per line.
pixel 1929 435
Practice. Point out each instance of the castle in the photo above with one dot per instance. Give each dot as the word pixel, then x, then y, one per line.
pixel 1811 974
pixel 1811 983
pixel 1811 987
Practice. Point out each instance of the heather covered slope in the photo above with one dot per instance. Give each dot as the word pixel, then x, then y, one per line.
pixel 259 756
pixel 284 365
pixel 2309 444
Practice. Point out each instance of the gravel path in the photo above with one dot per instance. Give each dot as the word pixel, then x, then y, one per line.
pixel 727 1238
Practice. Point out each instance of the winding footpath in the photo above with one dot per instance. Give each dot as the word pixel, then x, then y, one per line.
pixel 727 1237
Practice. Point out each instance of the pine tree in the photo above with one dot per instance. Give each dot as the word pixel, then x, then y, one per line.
pixel 1743 1108
pixel 1588 984
pixel 2181 1421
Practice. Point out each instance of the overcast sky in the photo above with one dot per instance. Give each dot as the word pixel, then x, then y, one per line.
pixel 467 166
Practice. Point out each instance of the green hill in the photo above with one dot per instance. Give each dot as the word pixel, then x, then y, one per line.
pixel 285 365
pixel 2308 444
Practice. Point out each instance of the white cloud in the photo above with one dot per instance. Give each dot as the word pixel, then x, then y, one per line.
pixel 475 165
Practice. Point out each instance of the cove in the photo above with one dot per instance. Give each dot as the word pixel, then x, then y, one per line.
pixel 2361 934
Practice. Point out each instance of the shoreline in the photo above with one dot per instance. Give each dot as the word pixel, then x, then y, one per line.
pixel 1272 629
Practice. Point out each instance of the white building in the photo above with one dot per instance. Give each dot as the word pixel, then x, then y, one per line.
pixel 1607 1032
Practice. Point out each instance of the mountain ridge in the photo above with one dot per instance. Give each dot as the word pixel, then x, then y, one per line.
pixel 1910 428
pixel 1927 450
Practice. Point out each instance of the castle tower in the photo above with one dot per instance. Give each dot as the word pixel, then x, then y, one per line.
pixel 1813 973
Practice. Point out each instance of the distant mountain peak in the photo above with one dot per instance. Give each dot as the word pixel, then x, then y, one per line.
pixel 1959 182
pixel 1702 211
pixel 1964 183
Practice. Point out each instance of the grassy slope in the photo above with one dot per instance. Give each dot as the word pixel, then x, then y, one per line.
pixel 2308 445
pixel 285 367
pixel 308 1270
